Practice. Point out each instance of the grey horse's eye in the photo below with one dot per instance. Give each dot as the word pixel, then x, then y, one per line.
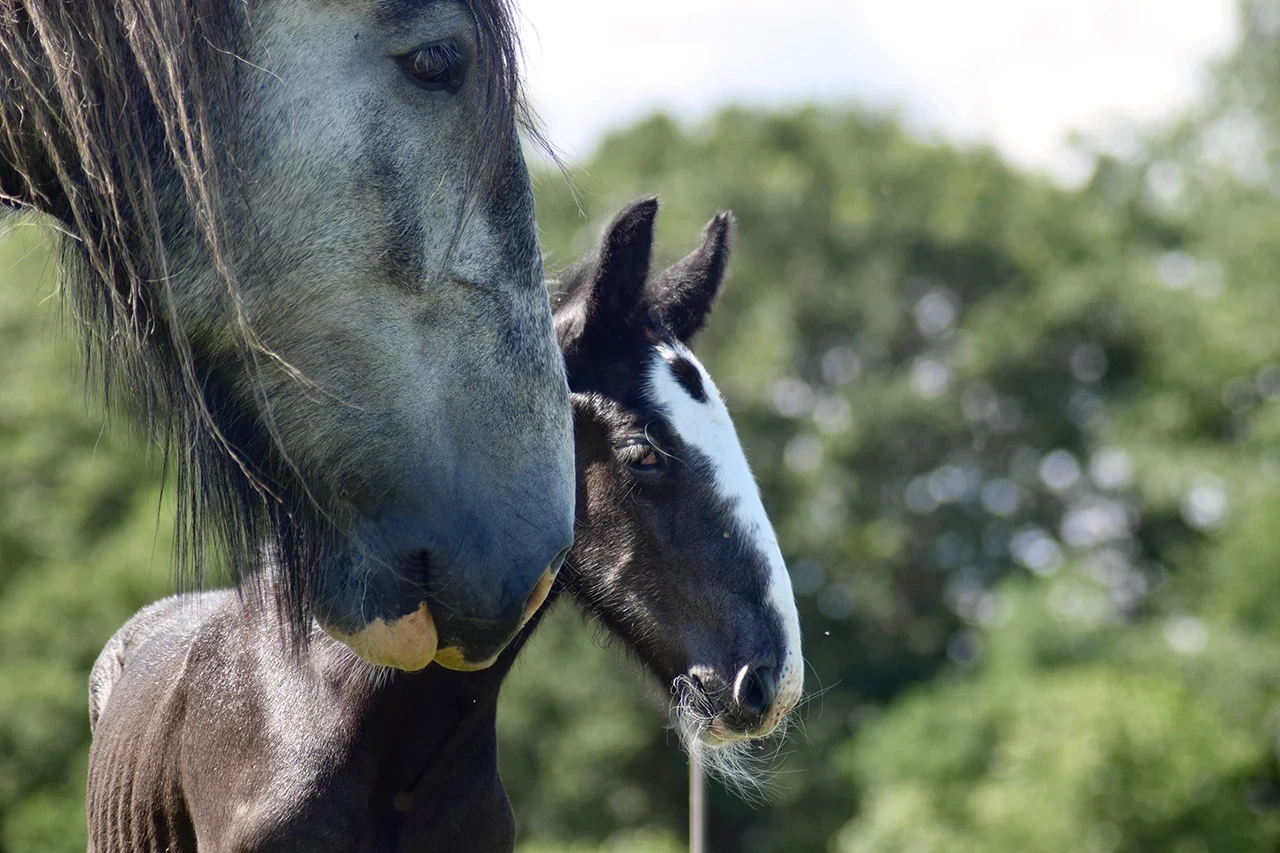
pixel 436 66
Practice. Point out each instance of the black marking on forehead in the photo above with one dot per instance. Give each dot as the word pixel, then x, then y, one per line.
pixel 687 374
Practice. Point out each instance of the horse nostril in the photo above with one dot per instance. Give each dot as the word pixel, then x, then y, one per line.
pixel 754 690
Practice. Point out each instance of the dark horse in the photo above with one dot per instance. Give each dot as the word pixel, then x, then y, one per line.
pixel 299 239
pixel 208 736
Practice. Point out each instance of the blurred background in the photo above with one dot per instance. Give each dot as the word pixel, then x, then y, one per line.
pixel 1000 338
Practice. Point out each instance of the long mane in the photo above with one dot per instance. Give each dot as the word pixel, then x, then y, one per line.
pixel 115 113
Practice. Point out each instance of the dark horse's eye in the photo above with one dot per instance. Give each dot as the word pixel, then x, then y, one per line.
pixel 436 66
pixel 642 457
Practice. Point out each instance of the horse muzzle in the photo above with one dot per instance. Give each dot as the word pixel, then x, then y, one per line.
pixel 468 644
pixel 750 701
pixel 405 608
pixel 412 641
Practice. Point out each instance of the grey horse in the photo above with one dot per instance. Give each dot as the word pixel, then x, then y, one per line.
pixel 208 737
pixel 299 239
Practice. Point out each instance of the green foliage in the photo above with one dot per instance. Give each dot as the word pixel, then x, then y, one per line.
pixel 1022 447
pixel 1020 444
pixel 80 551
pixel 1117 750
pixel 627 842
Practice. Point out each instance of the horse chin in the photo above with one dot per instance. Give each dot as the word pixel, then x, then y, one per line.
pixel 409 643
pixel 726 753
pixel 452 658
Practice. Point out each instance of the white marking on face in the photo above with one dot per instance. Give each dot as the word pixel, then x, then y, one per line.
pixel 706 426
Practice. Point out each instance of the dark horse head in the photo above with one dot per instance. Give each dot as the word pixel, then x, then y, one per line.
pixel 674 551
pixel 299 237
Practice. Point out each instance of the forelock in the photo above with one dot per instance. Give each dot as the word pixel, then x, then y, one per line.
pixel 505 101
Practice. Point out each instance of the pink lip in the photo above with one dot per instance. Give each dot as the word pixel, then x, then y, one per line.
pixel 721 734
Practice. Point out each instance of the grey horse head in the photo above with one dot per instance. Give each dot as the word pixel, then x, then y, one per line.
pixel 302 235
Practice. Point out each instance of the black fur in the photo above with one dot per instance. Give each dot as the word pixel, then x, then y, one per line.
pixel 684 293
pixel 689 377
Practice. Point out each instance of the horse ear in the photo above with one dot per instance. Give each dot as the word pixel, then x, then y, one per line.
pixel 605 291
pixel 682 296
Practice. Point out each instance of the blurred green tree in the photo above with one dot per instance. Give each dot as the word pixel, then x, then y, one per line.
pixel 80 549
pixel 990 416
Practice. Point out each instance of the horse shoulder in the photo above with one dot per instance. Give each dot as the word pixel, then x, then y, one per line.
pixel 272 750
pixel 137 694
pixel 167 615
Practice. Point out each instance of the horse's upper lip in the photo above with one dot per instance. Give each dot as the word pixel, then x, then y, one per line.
pixel 718 734
pixel 722 733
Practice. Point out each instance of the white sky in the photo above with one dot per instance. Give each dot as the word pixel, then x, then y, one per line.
pixel 1019 73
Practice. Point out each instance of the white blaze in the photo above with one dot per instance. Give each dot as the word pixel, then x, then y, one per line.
pixel 707 427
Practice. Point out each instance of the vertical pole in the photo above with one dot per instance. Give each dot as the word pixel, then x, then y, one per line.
pixel 697 804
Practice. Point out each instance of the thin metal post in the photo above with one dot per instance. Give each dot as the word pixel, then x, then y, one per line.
pixel 697 804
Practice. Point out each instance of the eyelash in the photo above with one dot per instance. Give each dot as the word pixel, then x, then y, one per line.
pixel 434 67
pixel 634 454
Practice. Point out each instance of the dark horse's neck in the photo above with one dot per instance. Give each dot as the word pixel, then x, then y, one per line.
pixel 421 729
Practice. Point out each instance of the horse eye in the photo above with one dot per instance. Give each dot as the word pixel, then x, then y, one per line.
pixel 434 66
pixel 641 456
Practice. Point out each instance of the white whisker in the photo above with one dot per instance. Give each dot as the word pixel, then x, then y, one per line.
pixel 745 766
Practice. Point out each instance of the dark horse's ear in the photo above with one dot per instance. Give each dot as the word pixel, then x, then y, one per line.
pixel 603 293
pixel 682 296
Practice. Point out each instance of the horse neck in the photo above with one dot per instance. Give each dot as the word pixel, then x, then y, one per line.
pixel 415 722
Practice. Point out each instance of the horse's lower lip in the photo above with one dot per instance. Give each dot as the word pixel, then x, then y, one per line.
pixel 408 643
pixel 453 658
pixel 719 733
